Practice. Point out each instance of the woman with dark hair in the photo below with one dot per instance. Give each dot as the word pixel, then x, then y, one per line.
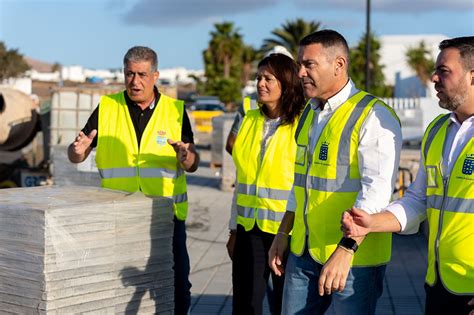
pixel 264 155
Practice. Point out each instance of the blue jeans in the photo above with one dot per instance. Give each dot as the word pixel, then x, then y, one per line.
pixel 300 292
pixel 182 286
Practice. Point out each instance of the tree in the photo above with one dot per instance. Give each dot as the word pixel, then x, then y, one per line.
pixel 227 63
pixel 290 34
pixel 228 90
pixel 200 84
pixel 12 63
pixel 223 53
pixel 419 59
pixel 250 56
pixel 56 67
pixel 357 67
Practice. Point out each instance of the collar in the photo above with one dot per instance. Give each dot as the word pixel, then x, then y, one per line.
pixel 152 104
pixel 454 120
pixel 337 100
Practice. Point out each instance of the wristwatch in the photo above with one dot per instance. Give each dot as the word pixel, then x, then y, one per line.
pixel 348 243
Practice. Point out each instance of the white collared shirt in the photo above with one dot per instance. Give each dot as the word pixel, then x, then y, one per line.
pixel 380 141
pixel 410 210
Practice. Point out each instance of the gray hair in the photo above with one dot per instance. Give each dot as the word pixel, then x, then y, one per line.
pixel 141 53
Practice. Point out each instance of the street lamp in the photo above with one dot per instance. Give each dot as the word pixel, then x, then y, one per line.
pixel 367 47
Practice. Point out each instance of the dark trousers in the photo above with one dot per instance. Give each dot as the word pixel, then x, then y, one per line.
pixel 440 301
pixel 250 273
pixel 182 286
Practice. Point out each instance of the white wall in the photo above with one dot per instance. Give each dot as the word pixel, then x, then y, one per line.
pixel 180 74
pixel 22 84
pixel 394 47
pixel 73 73
pixel 45 76
pixel 397 71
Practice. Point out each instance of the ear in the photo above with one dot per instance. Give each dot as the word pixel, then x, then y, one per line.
pixel 472 77
pixel 340 64
pixel 156 75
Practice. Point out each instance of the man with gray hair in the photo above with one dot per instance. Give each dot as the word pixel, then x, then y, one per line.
pixel 144 142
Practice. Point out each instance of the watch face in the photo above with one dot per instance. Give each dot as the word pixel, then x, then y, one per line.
pixel 349 243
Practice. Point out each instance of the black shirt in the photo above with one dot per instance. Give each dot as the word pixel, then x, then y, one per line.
pixel 140 119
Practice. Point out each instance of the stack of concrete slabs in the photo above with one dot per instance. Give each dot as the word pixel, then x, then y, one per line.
pixel 79 249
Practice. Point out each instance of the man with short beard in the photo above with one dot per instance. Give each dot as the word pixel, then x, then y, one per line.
pixel 443 191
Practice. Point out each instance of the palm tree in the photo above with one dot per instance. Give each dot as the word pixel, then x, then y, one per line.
pixel 226 45
pixel 290 34
pixel 419 59
pixel 357 67
pixel 223 63
pixel 249 60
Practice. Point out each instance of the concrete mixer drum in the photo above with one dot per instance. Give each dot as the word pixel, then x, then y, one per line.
pixel 19 122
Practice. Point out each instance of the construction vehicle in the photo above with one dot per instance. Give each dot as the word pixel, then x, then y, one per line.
pixel 21 146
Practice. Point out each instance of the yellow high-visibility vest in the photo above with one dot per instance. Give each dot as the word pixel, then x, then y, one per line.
pixel 450 211
pixel 327 182
pixel 151 168
pixel 263 185
pixel 249 104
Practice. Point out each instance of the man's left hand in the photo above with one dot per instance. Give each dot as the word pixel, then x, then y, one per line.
pixel 186 155
pixel 334 273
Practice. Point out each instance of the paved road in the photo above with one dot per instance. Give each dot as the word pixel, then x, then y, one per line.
pixel 211 268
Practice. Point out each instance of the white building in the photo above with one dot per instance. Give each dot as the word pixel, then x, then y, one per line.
pixel 396 70
pixel 44 76
pixel 173 76
pixel 21 84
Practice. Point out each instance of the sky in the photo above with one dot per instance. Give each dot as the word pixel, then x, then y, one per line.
pixel 97 33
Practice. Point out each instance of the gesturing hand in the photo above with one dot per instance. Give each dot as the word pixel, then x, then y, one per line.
pixel 83 141
pixel 181 150
pixel 355 222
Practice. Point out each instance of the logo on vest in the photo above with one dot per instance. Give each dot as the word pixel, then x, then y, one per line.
pixel 161 137
pixel 468 165
pixel 323 151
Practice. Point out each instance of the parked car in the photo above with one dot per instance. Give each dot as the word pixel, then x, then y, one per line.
pixel 203 110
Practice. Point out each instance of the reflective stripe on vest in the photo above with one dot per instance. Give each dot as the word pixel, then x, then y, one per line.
pixel 276 194
pixel 180 198
pixel 450 211
pixel 122 172
pixel 451 204
pixel 262 214
pixel 322 196
pixel 329 185
pixel 431 133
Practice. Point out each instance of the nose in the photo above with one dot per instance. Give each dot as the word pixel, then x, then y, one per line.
pixel 260 83
pixel 434 77
pixel 302 72
pixel 134 79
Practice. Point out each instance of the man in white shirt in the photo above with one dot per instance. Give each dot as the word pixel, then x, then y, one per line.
pixel 443 190
pixel 348 152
